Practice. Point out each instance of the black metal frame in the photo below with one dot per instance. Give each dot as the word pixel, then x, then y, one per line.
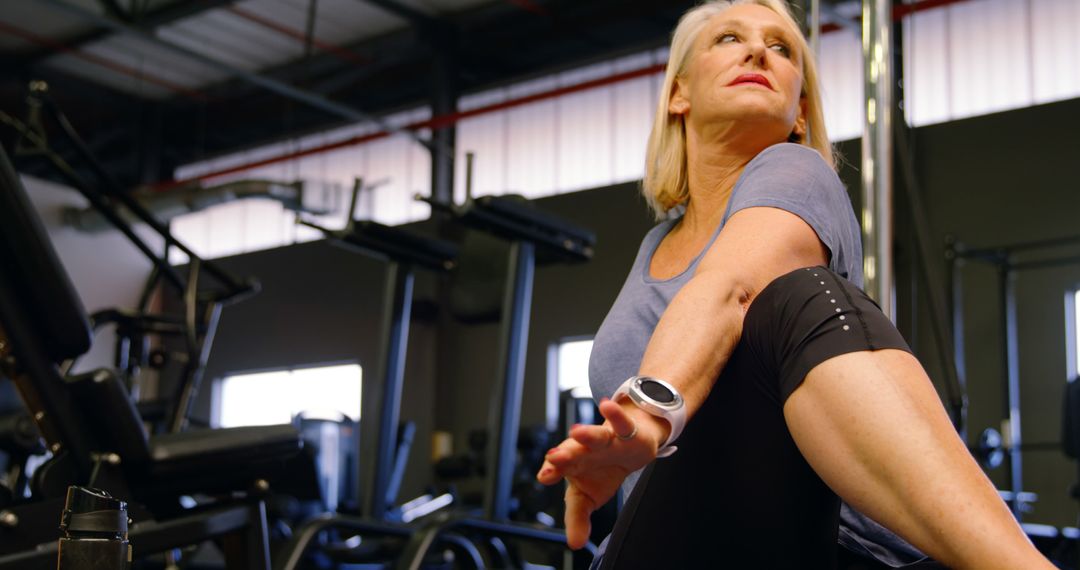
pixel 506 399
pixel 529 233
pixel 1004 260
pixel 379 480
pixel 402 251
pixel 199 329
pixel 397 311
pixel 241 527
pixel 39 306
pixel 438 529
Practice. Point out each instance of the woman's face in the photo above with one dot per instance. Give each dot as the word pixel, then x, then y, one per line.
pixel 744 70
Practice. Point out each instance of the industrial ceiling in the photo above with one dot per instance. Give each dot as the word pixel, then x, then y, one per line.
pixel 154 84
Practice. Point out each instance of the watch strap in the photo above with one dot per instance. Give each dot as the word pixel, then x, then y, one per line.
pixel 676 417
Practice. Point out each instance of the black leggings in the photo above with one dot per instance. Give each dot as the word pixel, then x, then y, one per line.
pixel 738 493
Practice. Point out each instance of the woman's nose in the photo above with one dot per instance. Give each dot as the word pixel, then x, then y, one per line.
pixel 755 51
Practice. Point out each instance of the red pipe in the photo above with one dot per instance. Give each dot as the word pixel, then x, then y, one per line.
pixel 436 122
pixel 106 63
pixel 901 10
pixel 441 121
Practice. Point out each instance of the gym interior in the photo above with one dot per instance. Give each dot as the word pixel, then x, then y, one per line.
pixel 312 283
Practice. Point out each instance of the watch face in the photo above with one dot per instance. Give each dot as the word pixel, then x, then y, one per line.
pixel 657 391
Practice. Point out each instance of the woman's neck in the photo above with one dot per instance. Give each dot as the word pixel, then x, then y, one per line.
pixel 712 168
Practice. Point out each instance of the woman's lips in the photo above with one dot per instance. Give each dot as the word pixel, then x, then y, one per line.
pixel 752 78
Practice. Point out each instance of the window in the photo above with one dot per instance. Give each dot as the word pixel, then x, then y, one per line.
pixel 1072 339
pixel 269 398
pixel 568 369
pixel 572 371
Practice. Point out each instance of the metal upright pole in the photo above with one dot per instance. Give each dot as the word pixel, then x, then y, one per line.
pixel 517 304
pixel 1012 385
pixel 956 287
pixel 397 309
pixel 877 167
pixel 444 99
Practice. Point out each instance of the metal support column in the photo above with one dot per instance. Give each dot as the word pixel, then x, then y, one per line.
pixel 1012 386
pixel 956 287
pixel 503 427
pixel 397 309
pixel 191 381
pixel 877 154
pixel 444 102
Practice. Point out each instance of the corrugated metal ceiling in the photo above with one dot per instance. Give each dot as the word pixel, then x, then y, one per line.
pixel 251 35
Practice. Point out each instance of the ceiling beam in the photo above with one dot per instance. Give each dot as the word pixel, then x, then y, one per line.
pixel 113 8
pixel 414 16
pixel 152 20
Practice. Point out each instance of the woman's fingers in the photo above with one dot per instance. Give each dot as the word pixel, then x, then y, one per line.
pixel 594 438
pixel 549 474
pixel 578 508
pixel 559 459
pixel 621 423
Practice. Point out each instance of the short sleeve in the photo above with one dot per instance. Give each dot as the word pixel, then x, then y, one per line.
pixel 796 178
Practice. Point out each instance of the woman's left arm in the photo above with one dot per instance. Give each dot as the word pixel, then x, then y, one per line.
pixel 703 323
pixel 690 346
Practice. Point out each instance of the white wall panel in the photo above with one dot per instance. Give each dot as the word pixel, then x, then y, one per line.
pixel 927 80
pixel 226 225
pixel 530 141
pixel 484 136
pixel 1055 49
pixel 634 107
pixel 585 131
pixel 988 56
pixel 265 225
pixel 840 68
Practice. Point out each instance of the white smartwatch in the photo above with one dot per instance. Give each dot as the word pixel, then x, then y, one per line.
pixel 659 399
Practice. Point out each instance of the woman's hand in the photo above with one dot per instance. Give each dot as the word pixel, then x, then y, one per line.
pixel 595 460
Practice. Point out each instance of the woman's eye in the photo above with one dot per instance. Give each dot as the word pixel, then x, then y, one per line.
pixel 782 49
pixel 726 38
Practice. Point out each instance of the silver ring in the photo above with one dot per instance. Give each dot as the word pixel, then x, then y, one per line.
pixel 628 436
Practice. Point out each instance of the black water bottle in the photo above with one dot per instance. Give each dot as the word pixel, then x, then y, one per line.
pixel 95 526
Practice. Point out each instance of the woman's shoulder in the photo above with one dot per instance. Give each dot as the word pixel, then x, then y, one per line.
pixel 791 155
pixel 790 165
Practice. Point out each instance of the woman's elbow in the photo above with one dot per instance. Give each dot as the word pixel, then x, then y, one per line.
pixel 727 290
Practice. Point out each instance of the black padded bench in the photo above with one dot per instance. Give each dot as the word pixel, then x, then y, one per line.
pixel 94 432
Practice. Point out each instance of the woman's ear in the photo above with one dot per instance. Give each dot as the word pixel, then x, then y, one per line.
pixel 800 121
pixel 678 104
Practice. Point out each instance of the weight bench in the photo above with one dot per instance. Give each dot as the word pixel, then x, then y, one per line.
pixel 381 475
pixel 535 237
pixel 95 435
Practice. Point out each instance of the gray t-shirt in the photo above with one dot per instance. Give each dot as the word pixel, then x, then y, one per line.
pixel 787 176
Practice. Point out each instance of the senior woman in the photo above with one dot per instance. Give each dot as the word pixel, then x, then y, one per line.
pixel 748 347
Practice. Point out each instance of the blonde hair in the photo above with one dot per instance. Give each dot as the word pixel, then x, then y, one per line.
pixel 666 182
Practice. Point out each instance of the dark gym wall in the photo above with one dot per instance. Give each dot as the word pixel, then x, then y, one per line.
pixel 998 180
